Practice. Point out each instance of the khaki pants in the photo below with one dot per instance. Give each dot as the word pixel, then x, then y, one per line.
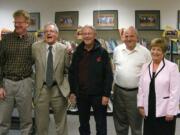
pixel 18 93
pixel 51 97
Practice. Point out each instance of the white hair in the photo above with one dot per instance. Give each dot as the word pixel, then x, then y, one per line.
pixel 51 24
pixel 90 27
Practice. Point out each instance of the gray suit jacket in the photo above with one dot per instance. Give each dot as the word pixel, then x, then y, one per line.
pixel 61 65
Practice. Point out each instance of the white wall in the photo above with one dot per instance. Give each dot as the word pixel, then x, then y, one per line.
pixel 126 8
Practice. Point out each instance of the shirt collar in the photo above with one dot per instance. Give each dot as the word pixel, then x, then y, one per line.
pixel 21 36
pixel 137 47
pixel 53 46
pixel 134 50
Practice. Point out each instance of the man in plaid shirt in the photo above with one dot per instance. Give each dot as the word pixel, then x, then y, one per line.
pixel 15 71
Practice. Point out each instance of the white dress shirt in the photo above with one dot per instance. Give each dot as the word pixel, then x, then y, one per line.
pixel 128 64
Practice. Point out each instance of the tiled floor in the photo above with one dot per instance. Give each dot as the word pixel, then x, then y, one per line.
pixel 73 125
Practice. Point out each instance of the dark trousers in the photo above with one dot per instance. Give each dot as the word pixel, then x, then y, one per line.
pixel 84 104
pixel 158 126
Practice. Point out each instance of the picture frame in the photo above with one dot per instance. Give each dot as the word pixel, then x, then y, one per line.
pixel 147 19
pixel 67 20
pixel 105 19
pixel 34 21
pixel 178 20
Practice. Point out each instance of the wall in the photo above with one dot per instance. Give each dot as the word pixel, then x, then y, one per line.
pixel 126 9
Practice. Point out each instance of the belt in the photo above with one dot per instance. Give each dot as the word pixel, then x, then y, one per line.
pixel 127 89
pixel 16 78
pixel 54 83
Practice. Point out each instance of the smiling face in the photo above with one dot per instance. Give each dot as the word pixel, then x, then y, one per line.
pixel 158 49
pixel 50 34
pixel 130 38
pixel 21 25
pixel 88 36
pixel 157 54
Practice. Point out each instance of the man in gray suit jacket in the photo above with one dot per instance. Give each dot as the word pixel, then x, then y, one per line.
pixel 51 90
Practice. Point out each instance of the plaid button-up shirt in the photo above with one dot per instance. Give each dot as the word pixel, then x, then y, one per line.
pixel 15 56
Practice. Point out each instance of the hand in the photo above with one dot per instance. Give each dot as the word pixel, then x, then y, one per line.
pixel 169 117
pixel 105 100
pixel 2 94
pixel 141 111
pixel 69 49
pixel 72 98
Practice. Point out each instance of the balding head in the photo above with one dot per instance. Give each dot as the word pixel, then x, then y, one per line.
pixel 131 29
pixel 131 38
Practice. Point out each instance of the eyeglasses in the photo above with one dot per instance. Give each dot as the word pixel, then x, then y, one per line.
pixel 87 34
pixel 50 31
pixel 19 22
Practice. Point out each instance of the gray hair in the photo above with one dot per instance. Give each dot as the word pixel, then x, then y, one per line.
pixel 132 28
pixel 51 24
pixel 90 27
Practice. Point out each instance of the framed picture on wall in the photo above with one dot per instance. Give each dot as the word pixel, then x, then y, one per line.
pixel 178 20
pixel 147 19
pixel 67 20
pixel 34 21
pixel 105 19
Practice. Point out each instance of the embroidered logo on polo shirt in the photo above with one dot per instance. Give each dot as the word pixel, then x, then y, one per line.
pixel 98 59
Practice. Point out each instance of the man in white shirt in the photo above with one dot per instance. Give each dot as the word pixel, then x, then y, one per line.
pixel 128 59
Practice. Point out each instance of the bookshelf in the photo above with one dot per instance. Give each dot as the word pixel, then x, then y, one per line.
pixel 173 52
